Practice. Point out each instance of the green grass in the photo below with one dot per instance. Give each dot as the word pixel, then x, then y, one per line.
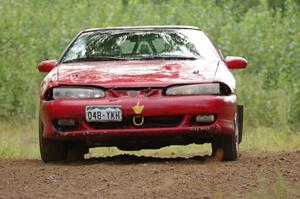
pixel 267 139
pixel 18 142
pixel 269 188
pixel 22 142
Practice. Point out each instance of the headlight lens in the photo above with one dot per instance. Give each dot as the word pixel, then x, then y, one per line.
pixel 195 89
pixel 65 92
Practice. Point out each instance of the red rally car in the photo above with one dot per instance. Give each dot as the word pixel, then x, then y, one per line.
pixel 139 88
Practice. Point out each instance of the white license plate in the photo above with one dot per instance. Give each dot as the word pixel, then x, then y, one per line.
pixel 103 113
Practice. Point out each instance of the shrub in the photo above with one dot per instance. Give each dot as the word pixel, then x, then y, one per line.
pixel 33 30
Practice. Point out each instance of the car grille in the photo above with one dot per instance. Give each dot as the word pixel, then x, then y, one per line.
pixel 149 122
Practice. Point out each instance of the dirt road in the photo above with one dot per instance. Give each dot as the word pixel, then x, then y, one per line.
pixel 254 175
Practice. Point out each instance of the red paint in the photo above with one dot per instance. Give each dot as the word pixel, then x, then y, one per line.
pixel 131 73
pixel 47 66
pixel 235 62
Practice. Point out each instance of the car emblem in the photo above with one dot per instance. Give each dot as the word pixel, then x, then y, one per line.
pixel 138 119
pixel 138 109
pixel 133 93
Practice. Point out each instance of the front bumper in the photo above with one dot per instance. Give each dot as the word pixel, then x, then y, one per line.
pixel 223 107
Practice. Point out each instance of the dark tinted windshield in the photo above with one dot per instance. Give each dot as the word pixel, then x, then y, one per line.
pixel 141 44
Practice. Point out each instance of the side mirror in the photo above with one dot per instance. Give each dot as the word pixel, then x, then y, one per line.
pixel 235 62
pixel 47 66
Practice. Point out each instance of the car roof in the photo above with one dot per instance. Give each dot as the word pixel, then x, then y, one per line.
pixel 143 28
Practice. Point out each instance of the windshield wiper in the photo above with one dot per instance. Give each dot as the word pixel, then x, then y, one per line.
pixel 102 58
pixel 110 58
pixel 166 57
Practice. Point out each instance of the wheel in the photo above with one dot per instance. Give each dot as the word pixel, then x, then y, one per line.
pixel 51 150
pixel 227 147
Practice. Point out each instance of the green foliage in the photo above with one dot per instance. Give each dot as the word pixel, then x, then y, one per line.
pixel 19 142
pixel 33 30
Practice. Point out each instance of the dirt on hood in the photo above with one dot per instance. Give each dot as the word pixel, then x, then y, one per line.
pixel 254 175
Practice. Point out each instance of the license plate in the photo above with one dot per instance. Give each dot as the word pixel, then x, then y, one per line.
pixel 103 113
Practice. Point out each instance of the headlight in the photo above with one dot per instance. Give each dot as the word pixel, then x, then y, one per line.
pixel 195 89
pixel 65 92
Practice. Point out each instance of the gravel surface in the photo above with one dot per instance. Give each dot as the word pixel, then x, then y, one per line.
pixel 254 175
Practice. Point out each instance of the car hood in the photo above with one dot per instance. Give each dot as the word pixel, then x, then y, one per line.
pixel 154 73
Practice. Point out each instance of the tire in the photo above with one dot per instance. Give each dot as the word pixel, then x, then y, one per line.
pixel 51 150
pixel 240 121
pixel 227 147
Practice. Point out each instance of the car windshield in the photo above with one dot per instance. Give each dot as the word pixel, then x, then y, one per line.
pixel 140 44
